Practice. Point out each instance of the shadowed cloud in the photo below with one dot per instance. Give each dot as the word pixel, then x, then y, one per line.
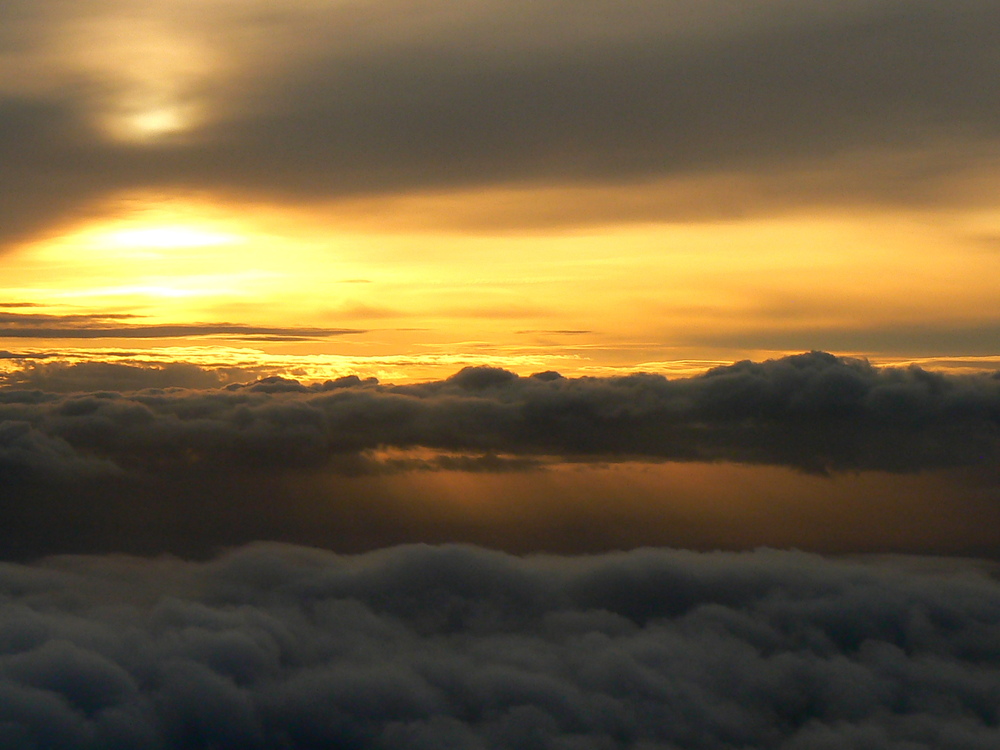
pixel 812 411
pixel 422 647
pixel 810 451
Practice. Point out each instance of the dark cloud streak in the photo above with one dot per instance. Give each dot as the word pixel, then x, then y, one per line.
pixel 930 340
pixel 42 326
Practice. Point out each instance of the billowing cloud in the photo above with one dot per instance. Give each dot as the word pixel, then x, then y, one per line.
pixel 27 453
pixel 812 411
pixel 809 451
pixel 430 647
pixel 859 97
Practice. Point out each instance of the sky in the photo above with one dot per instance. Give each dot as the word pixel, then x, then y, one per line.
pixel 599 374
pixel 588 187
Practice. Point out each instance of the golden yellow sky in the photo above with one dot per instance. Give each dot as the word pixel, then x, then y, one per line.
pixel 625 186
pixel 612 296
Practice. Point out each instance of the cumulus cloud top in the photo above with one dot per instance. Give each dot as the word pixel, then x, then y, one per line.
pixel 27 453
pixel 429 647
pixel 814 412
pixel 810 451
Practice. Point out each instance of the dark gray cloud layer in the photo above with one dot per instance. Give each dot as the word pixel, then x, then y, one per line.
pixel 360 98
pixel 456 647
pixel 59 377
pixel 813 411
pixel 43 326
pixel 540 463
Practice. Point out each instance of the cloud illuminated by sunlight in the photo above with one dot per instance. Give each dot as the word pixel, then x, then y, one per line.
pixel 147 64
pixel 152 123
pixel 708 292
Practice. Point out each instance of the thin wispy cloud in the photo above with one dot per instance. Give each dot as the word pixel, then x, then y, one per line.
pixel 107 326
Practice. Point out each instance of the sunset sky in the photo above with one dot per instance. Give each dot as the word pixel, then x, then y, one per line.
pixel 289 289
pixel 204 194
pixel 582 186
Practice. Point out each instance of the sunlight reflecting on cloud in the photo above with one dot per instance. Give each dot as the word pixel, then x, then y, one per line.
pixel 148 124
pixel 158 121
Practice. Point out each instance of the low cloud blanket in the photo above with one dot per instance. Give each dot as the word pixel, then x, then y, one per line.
pixel 274 646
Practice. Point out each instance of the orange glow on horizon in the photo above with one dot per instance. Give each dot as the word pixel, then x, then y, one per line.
pixel 592 300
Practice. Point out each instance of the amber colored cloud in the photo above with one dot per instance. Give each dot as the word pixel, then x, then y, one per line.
pixel 323 102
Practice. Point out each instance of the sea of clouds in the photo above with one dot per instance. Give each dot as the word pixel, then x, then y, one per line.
pixel 273 646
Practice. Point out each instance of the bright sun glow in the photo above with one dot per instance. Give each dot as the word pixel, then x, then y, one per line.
pixel 547 301
pixel 170 263
pixel 156 122
pixel 162 237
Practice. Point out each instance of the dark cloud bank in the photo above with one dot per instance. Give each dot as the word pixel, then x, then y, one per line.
pixel 456 647
pixel 539 463
pixel 814 412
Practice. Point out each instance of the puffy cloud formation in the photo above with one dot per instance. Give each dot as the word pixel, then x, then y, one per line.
pixel 846 100
pixel 26 452
pixel 809 451
pixel 814 412
pixel 432 647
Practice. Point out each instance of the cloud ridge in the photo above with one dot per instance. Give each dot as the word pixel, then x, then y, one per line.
pixel 814 412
